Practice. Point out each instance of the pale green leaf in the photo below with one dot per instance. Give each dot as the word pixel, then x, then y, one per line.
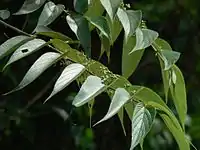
pixel 4 14
pixel 179 95
pixel 102 24
pixel 80 5
pixel 178 135
pixel 120 97
pixel 41 64
pixel 50 13
pixel 25 50
pixel 111 6
pixel 174 77
pixel 92 87
pixel 69 74
pixel 162 44
pixel 130 21
pixel 12 44
pixel 55 35
pixel 30 6
pixel 169 58
pixel 79 25
pixel 144 38
pixel 130 61
pixel 141 123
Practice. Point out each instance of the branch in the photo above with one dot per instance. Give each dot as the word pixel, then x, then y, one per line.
pixel 14 28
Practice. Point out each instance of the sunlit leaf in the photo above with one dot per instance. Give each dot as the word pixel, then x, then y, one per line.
pixel 120 97
pixel 169 58
pixel 144 38
pixel 26 49
pixel 141 123
pixel 178 92
pixel 130 21
pixel 69 74
pixel 60 45
pixel 79 25
pixel 50 13
pixel 92 87
pixel 55 35
pixel 12 44
pixel 30 6
pixel 130 61
pixel 41 64
pixel 102 24
pixel 4 14
pixel 81 5
pixel 111 6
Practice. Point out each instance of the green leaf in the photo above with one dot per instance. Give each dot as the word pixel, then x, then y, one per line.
pixel 4 14
pixel 30 6
pixel 178 135
pixel 92 87
pixel 94 9
pixel 111 6
pixel 79 25
pixel 60 45
pixel 50 13
pixel 42 29
pixel 25 50
pixel 12 44
pixel 105 46
pixel 130 21
pixel 144 38
pixel 152 99
pixel 101 23
pixel 141 123
pixel 130 61
pixel 179 95
pixel 169 58
pixel 80 5
pixel 41 64
pixel 115 28
pixel 55 35
pixel 129 107
pixel 162 44
pixel 120 97
pixel 69 74
pixel 121 118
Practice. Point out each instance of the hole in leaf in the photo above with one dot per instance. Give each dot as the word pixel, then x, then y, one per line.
pixel 24 50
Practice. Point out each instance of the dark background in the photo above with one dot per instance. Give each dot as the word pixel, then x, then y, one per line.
pixel 38 127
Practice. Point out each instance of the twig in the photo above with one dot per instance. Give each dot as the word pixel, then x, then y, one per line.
pixel 14 28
